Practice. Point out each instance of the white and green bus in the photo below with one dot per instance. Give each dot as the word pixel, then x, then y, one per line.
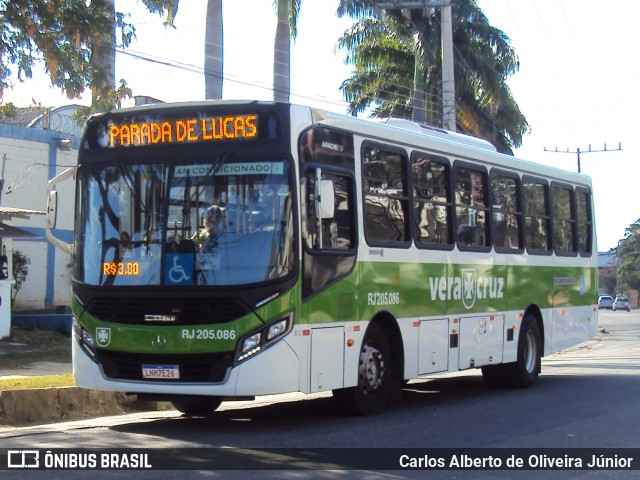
pixel 225 250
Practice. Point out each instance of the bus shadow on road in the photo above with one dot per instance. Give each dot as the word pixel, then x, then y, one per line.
pixel 444 398
pixel 311 412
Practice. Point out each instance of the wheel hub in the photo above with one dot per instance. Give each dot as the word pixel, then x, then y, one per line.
pixel 371 371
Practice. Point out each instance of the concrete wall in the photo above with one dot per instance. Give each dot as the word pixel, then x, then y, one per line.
pixel 31 157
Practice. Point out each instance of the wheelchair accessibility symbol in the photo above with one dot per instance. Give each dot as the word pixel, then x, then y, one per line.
pixel 178 269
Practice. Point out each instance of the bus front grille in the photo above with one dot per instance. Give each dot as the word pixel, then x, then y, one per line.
pixel 196 368
pixel 167 311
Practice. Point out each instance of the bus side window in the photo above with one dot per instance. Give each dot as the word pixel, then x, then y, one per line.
pixel 564 220
pixel 537 216
pixel 585 222
pixel 386 197
pixel 431 200
pixel 471 208
pixel 338 231
pixel 329 242
pixel 507 212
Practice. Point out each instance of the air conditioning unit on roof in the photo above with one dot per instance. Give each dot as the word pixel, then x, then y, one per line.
pixel 437 132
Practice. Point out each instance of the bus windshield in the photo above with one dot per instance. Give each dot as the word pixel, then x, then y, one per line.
pixel 212 223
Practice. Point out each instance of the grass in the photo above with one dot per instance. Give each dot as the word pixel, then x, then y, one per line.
pixel 48 381
pixel 24 347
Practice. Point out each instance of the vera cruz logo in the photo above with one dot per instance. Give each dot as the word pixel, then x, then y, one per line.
pixel 103 336
pixel 467 287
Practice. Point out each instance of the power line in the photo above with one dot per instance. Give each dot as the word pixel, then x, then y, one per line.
pixel 165 62
pixel 578 152
pixel 226 76
pixel 254 83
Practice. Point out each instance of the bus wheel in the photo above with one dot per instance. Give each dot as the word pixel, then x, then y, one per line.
pixel 524 372
pixel 197 407
pixel 375 373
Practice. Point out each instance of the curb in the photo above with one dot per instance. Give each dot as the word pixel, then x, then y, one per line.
pixel 24 407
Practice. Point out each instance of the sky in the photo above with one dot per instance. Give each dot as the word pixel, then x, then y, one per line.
pixel 579 66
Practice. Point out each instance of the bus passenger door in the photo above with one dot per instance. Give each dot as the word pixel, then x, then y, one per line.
pixel 328 230
pixel 329 279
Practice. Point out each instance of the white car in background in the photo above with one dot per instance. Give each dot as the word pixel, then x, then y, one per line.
pixel 621 303
pixel 605 301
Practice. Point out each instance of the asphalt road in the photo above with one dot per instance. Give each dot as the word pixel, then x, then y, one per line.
pixel 586 397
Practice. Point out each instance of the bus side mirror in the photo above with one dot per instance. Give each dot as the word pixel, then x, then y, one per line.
pixel 52 209
pixel 325 199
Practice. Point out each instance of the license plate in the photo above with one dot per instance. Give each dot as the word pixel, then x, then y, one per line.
pixel 160 372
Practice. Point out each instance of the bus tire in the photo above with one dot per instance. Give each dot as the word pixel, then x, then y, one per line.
pixel 197 407
pixel 524 372
pixel 375 376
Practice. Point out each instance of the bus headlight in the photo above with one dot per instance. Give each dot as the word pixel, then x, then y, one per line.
pixel 250 346
pixel 265 337
pixel 84 338
pixel 277 329
pixel 87 339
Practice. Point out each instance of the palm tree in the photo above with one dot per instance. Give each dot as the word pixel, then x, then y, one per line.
pixel 105 23
pixel 213 41
pixel 213 50
pixel 392 57
pixel 286 30
pixel 104 94
pixel 103 56
pixel 287 11
pixel 386 60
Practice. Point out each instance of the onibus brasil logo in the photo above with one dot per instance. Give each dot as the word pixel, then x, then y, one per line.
pixel 467 287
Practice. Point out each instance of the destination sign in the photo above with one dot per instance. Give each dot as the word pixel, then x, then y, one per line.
pixel 236 127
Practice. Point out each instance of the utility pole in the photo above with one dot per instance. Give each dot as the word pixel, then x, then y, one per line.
pixel 579 152
pixel 448 82
pixel 446 38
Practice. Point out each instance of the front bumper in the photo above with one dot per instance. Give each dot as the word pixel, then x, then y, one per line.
pixel 275 370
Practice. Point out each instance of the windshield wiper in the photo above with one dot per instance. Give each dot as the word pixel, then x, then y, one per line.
pixel 128 181
pixel 218 162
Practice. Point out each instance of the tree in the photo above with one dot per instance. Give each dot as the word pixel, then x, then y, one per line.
pixel 286 30
pixel 629 254
pixel 607 274
pixel 213 41
pixel 103 57
pixel 20 269
pixel 72 39
pixel 214 50
pixel 397 59
pixel 383 54
pixel 287 11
